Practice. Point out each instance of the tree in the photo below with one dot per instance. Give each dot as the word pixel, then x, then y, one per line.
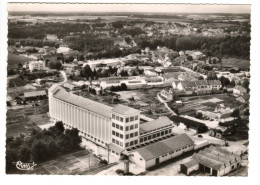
pixel 246 112
pixel 39 150
pixel 235 113
pixel 123 87
pixel 245 83
pixel 55 65
pixel 189 58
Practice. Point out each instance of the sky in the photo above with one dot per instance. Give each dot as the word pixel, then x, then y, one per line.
pixel 157 8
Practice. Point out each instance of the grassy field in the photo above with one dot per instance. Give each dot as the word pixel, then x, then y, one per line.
pixel 17 59
pixel 236 62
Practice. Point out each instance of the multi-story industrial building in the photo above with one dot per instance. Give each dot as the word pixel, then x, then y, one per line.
pixel 118 128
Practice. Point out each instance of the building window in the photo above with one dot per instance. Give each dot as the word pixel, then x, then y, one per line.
pixel 136 133
pixel 136 125
pixel 117 118
pixel 127 136
pixel 127 120
pixel 117 142
pixel 154 135
pixel 121 136
pixel 131 127
pixel 145 138
pixel 131 135
pixel 127 128
pixel 113 116
pixel 166 131
pixel 141 140
pixel 121 127
pixel 113 124
pixel 136 117
pixel 170 131
pixel 158 134
pixel 113 132
pixel 149 137
pixel 132 119
pixel 162 133
pixel 117 126
pixel 117 134
pixel 127 144
pixel 113 140
pixel 136 141
pixel 131 143
pixel 121 119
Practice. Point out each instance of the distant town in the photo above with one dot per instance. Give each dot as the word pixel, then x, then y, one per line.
pixel 128 94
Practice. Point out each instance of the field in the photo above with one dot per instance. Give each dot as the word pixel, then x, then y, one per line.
pixel 80 162
pixel 21 120
pixel 206 102
pixel 235 62
pixel 146 101
pixel 17 59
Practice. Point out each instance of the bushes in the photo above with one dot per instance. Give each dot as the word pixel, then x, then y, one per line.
pixel 103 162
pixel 122 87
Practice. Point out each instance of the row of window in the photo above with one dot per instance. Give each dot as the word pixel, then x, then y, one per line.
pixel 117 126
pixel 155 135
pixel 117 142
pixel 156 129
pixel 131 135
pixel 131 127
pixel 135 142
pixel 117 134
pixel 129 119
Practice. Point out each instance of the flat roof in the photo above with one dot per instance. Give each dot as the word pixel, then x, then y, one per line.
pixel 34 93
pixel 125 110
pixel 155 124
pixel 157 149
pixel 85 103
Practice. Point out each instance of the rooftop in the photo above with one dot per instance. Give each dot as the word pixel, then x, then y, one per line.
pixel 155 124
pixel 165 146
pixel 122 109
pixel 98 108
pixel 35 93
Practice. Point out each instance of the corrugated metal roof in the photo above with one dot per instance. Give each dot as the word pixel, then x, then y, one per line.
pixel 82 102
pixel 152 125
pixel 163 147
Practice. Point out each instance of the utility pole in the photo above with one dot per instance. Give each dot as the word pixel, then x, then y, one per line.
pixel 107 153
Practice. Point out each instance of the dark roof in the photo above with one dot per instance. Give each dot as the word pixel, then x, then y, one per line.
pixel 125 110
pixel 188 83
pixel 155 124
pixel 96 107
pixel 214 82
pixel 165 146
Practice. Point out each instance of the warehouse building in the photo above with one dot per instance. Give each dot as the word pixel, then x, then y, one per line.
pixel 213 161
pixel 156 153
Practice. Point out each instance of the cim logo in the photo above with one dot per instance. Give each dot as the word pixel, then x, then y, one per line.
pixel 25 166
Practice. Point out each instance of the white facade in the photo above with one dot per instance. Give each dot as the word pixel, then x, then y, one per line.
pixel 38 65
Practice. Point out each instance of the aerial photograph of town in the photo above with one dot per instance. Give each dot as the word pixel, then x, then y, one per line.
pixel 128 93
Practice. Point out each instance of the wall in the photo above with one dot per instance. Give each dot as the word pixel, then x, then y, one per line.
pixel 90 123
